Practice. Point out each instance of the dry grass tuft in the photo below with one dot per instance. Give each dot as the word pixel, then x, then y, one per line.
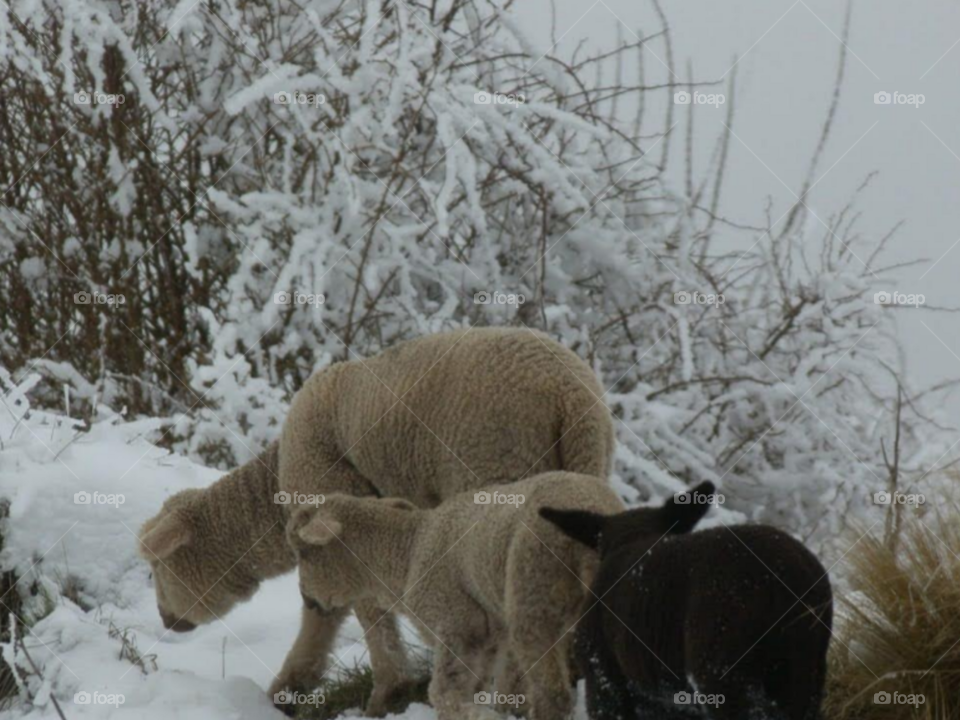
pixel 899 627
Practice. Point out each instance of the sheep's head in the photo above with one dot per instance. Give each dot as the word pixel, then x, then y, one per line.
pixel 196 579
pixel 678 515
pixel 335 545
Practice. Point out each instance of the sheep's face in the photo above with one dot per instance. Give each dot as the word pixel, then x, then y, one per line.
pixel 194 582
pixel 331 574
pixel 678 515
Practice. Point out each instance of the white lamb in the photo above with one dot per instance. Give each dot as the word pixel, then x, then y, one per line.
pixel 488 585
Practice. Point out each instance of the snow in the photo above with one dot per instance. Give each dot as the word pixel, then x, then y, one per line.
pixel 218 671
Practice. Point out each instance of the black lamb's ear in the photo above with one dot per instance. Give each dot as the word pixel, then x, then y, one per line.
pixel 580 525
pixel 683 512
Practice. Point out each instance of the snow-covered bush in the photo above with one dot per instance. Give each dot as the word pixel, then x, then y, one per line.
pixel 393 167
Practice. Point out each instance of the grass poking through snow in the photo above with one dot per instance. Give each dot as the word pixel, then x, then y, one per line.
pixel 352 687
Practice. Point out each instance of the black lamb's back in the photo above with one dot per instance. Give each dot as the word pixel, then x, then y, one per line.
pixel 746 609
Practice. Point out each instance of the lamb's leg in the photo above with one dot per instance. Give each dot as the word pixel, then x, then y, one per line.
pixel 509 682
pixel 457 680
pixel 387 656
pixel 306 662
pixel 548 693
pixel 308 464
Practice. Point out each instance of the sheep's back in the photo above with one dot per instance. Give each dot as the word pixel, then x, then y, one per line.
pixel 501 548
pixel 446 413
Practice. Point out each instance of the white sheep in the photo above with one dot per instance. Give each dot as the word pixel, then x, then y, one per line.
pixel 424 420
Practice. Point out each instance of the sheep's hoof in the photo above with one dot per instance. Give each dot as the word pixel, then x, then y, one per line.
pixel 377 705
pixel 287 708
pixel 283 693
pixel 392 698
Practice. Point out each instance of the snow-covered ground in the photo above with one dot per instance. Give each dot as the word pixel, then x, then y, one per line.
pixel 218 672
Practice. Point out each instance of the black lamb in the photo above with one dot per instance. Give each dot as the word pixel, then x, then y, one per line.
pixel 728 623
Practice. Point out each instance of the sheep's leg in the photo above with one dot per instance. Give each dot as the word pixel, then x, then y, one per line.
pixel 548 693
pixel 306 662
pixel 308 464
pixel 509 681
pixel 387 656
pixel 457 682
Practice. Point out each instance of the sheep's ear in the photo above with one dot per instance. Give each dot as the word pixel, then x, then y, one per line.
pixel 168 534
pixel 682 513
pixel 399 503
pixel 581 525
pixel 320 530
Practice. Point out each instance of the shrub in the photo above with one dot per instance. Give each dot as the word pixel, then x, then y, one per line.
pixel 898 628
pixel 401 197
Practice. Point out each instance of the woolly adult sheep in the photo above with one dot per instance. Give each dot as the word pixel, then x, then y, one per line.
pixel 424 421
pixel 487 584
pixel 735 619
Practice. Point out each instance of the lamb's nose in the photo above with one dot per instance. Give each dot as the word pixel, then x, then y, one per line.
pixel 182 625
pixel 171 622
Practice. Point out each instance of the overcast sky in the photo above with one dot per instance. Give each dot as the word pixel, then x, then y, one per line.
pixel 788 58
